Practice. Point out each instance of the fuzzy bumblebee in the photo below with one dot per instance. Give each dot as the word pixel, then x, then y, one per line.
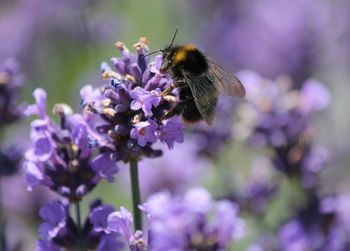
pixel 200 83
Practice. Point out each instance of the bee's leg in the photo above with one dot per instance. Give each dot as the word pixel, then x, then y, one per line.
pixel 168 90
pixel 177 110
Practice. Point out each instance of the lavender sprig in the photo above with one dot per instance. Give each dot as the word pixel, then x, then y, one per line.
pixel 61 157
pixel 10 82
pixel 190 222
pixel 10 112
pixel 60 231
pixel 259 38
pixel 277 116
pixel 321 224
pixel 129 112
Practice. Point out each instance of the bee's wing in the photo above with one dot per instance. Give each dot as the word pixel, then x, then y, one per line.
pixel 205 94
pixel 229 83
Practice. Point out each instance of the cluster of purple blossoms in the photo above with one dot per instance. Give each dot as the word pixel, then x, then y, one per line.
pixel 130 108
pixel 10 158
pixel 322 224
pixel 20 29
pixel 254 197
pixel 10 82
pixel 184 223
pixel 61 156
pixel 63 159
pixel 10 112
pixel 278 117
pixel 59 229
pixel 121 121
pixel 271 37
pixel 191 222
pixel 211 140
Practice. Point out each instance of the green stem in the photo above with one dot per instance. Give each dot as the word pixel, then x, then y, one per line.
pixel 135 190
pixel 78 219
pixel 2 223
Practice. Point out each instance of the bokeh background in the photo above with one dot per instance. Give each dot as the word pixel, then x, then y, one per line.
pixel 59 46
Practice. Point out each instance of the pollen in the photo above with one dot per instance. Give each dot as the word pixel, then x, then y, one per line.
pixel 189 47
pixel 109 112
pixel 181 54
pixel 110 74
pixel 119 45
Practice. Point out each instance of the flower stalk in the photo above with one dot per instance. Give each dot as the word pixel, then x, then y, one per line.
pixel 2 222
pixel 135 190
pixel 78 222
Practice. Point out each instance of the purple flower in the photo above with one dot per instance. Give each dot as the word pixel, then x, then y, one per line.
pixel 171 131
pixel 260 189
pixel 314 97
pixel 144 99
pixel 9 160
pixel 46 245
pixel 194 221
pixel 255 40
pixel 144 132
pixel 58 226
pixel 294 237
pixel 55 217
pixel 39 108
pixel 110 242
pixel 98 218
pixel 61 157
pixel 104 167
pixel 278 117
pixel 129 112
pixel 212 139
pixel 316 226
pixel 181 223
pixel 121 222
pixel 23 28
pixel 60 231
pixel 10 82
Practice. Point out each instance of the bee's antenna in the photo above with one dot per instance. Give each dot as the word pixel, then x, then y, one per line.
pixel 171 44
pixel 174 36
pixel 153 52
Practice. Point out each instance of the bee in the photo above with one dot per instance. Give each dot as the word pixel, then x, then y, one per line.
pixel 199 80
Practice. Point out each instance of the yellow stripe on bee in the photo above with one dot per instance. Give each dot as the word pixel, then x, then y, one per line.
pixel 181 54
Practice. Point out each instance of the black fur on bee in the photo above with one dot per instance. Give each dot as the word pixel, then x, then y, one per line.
pixel 186 64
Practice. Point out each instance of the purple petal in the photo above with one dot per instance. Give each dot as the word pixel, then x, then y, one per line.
pixel 104 167
pixel 121 222
pixel 99 216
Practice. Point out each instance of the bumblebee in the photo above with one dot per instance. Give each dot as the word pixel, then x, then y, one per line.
pixel 200 82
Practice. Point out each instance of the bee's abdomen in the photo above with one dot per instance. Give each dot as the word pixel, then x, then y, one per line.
pixel 190 112
pixel 185 93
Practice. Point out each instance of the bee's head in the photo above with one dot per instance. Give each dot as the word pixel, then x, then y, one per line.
pixel 168 54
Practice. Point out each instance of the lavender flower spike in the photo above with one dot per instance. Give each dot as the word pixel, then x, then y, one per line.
pixel 184 223
pixel 59 231
pixel 10 82
pixel 192 222
pixel 61 156
pixel 144 132
pixel 144 99
pixel 130 113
